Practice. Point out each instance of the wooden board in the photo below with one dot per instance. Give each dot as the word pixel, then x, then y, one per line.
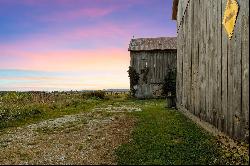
pixel 213 71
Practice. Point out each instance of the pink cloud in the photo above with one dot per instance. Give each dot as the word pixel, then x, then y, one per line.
pixel 42 41
pixel 76 14
pixel 97 69
pixel 82 9
pixel 79 2
pixel 29 78
pixel 70 60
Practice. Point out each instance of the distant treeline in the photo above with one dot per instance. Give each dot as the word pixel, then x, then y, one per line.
pixel 71 91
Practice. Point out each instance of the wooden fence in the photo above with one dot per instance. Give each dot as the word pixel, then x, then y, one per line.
pixel 213 71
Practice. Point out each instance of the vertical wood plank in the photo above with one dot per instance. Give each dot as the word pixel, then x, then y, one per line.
pixel 214 65
pixel 230 56
pixel 224 75
pixel 245 69
pixel 219 65
pixel 237 76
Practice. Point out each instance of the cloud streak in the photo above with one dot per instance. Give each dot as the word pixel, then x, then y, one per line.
pixel 64 81
pixel 76 14
pixel 42 41
pixel 110 58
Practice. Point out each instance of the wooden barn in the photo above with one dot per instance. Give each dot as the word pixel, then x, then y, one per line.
pixel 213 62
pixel 152 58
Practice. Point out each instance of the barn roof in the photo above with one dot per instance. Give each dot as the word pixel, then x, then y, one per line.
pixel 160 43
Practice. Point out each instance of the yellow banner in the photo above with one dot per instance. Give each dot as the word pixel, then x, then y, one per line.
pixel 230 16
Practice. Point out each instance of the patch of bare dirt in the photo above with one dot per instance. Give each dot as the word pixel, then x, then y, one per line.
pixel 89 138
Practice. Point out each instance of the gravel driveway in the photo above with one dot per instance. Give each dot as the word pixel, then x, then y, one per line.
pixel 87 138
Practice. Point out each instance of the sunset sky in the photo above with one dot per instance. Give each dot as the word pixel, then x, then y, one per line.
pixel 74 44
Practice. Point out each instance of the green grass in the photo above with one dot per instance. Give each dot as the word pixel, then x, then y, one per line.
pixel 18 109
pixel 22 108
pixel 165 136
pixel 161 136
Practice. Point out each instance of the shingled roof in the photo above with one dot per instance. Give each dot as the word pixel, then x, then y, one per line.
pixel 160 43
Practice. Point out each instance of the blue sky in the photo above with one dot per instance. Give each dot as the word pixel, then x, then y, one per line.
pixel 74 44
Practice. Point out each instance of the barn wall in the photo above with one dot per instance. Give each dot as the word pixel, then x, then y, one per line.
pixel 158 61
pixel 213 71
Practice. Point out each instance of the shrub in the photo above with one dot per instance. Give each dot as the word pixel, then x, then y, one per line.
pixel 169 85
pixel 95 94
pixel 134 79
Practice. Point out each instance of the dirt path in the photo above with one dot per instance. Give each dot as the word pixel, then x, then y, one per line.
pixel 88 138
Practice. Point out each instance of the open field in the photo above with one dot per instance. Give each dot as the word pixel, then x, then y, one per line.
pixel 94 128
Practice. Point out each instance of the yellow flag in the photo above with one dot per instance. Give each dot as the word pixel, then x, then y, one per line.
pixel 230 16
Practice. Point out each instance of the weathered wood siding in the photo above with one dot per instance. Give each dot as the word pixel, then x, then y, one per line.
pixel 213 71
pixel 158 62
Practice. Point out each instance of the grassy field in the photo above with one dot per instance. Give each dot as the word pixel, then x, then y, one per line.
pixel 94 128
pixel 20 108
pixel 166 137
